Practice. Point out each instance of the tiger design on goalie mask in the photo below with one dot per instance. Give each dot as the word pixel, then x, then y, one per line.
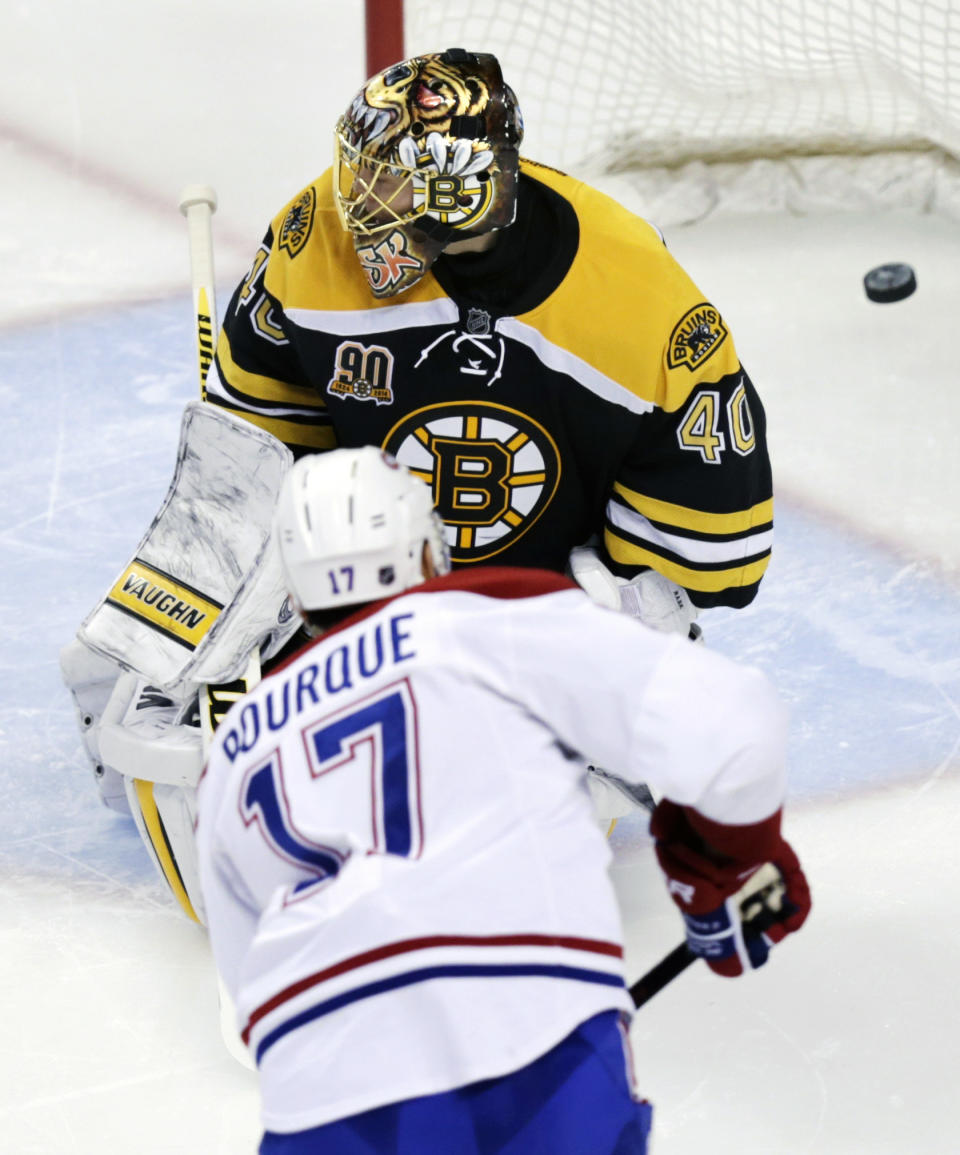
pixel 426 153
pixel 414 97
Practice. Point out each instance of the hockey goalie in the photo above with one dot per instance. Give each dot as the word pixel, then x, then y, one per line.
pixel 181 634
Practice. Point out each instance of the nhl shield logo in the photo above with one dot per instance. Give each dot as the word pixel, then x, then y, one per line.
pixel 478 322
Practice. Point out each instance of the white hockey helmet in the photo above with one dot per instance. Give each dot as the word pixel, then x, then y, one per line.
pixel 351 525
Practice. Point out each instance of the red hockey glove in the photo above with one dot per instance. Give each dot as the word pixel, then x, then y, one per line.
pixel 740 888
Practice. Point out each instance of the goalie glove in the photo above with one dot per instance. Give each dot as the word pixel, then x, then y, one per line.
pixel 658 602
pixel 740 888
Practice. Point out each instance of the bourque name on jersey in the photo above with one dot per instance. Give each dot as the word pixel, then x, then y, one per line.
pixel 361 656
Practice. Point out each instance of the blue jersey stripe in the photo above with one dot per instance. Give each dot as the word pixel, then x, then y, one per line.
pixel 467 970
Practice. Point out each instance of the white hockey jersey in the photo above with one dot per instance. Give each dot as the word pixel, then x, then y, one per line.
pixel 405 886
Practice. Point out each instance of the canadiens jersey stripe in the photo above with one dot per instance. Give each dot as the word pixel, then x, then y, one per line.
pixel 452 971
pixel 428 942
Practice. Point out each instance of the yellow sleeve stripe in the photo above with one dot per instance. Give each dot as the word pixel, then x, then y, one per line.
pixel 682 517
pixel 161 847
pixel 706 581
pixel 260 387
pixel 309 436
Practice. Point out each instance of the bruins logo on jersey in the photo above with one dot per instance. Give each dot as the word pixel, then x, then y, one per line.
pixel 298 222
pixel 492 471
pixel 697 336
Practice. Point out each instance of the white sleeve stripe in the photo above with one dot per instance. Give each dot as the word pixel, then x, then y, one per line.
pixel 351 322
pixel 562 361
pixel 234 399
pixel 692 549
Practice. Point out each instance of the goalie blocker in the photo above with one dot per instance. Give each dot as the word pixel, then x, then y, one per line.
pixel 179 635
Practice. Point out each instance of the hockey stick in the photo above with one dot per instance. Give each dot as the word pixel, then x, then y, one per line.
pixel 198 202
pixel 657 977
pixel 761 905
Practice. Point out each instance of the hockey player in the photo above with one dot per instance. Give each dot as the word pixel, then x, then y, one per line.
pixel 406 892
pixel 522 342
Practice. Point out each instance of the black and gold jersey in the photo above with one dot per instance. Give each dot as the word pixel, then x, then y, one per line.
pixel 570 383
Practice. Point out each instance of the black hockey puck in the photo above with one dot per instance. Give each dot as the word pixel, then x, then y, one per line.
pixel 890 282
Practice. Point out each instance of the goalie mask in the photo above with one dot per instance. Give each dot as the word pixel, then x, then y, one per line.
pixel 351 525
pixel 426 155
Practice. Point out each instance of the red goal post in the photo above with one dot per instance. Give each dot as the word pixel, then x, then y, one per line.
pixel 798 106
pixel 383 28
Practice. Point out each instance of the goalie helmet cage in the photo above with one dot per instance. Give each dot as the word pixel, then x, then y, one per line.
pixel 738 105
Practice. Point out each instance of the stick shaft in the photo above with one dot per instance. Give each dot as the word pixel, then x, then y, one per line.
pixel 198 203
pixel 757 916
pixel 665 971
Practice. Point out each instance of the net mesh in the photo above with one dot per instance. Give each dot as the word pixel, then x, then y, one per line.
pixel 742 104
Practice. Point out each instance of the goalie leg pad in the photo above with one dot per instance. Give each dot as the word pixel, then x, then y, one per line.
pixel 165 817
pixel 142 735
pixel 91 680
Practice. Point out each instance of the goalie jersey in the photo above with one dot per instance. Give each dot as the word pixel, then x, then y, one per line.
pixel 570 383
pixel 405 886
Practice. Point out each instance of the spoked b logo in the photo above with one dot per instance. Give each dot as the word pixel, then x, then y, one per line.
pixel 492 471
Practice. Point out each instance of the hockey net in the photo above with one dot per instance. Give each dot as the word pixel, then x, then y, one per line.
pixel 738 105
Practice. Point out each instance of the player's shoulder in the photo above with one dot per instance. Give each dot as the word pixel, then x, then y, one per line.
pixel 603 221
pixel 494 583
pixel 661 337
pixel 311 255
pixel 480 608
pixel 501 583
pixel 305 218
